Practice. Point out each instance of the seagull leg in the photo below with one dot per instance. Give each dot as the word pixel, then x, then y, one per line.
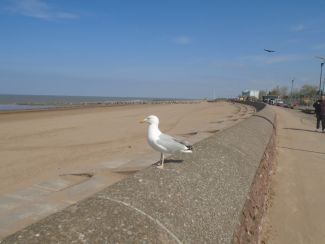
pixel 162 159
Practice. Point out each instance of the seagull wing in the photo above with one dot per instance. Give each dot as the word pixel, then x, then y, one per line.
pixel 268 50
pixel 172 144
pixel 320 58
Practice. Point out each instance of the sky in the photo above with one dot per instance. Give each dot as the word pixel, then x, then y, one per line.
pixel 158 48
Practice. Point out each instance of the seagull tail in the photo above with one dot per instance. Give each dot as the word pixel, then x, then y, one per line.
pixel 188 150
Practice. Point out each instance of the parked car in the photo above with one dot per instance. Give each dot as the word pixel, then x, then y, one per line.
pixel 278 102
pixel 293 105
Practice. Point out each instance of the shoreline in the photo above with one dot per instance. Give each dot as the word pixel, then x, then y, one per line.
pixel 95 105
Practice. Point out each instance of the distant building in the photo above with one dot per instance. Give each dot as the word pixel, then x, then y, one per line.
pixel 251 94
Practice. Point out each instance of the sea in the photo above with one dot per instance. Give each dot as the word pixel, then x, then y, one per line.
pixel 30 102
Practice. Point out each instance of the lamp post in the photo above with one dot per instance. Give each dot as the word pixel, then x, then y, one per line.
pixel 321 73
pixel 291 90
pixel 320 79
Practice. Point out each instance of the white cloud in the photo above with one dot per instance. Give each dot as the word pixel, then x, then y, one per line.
pixel 182 40
pixel 38 9
pixel 298 28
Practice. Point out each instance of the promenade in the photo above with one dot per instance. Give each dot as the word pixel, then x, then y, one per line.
pixel 296 214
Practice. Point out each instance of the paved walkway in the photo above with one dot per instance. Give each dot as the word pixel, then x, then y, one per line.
pixel 297 212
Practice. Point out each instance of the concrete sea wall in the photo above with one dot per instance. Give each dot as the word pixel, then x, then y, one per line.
pixel 215 195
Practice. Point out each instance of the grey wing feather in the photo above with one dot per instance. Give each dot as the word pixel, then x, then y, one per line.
pixel 185 143
pixel 171 141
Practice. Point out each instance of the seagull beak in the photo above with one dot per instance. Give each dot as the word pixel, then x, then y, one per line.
pixel 142 121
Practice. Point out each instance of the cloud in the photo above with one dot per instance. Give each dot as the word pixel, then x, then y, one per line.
pixel 298 28
pixel 181 40
pixel 38 9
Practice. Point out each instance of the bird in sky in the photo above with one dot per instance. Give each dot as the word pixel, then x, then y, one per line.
pixel 164 143
pixel 269 51
pixel 320 58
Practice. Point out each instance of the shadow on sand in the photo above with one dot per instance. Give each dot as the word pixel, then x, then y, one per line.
pixel 302 130
pixel 301 150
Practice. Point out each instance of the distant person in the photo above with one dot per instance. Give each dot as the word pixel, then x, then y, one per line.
pixel 322 112
pixel 316 105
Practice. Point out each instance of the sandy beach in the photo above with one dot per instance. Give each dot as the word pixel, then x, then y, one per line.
pixel 38 145
pixel 51 159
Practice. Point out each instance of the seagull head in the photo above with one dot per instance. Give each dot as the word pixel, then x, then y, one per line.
pixel 152 119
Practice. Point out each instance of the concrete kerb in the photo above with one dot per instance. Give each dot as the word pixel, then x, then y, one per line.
pixel 201 200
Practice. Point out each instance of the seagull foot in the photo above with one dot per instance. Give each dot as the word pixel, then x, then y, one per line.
pixel 160 166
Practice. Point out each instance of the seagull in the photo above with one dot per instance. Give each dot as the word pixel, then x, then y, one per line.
pixel 163 143
pixel 268 50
